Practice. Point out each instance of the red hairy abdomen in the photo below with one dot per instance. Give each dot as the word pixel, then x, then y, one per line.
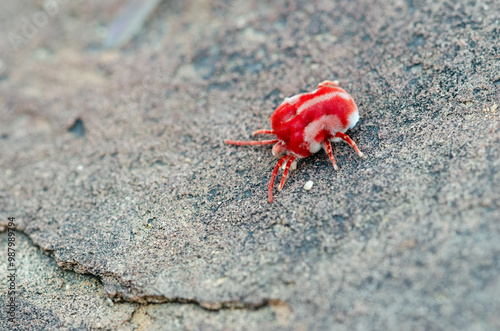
pixel 303 121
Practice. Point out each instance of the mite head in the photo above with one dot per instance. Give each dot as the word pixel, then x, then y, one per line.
pixel 279 149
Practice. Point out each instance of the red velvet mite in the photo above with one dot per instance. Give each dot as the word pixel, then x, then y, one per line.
pixel 307 122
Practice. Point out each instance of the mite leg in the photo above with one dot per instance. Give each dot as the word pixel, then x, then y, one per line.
pixel 263 132
pixel 348 140
pixel 328 83
pixel 328 149
pixel 287 168
pixel 273 176
pixel 254 142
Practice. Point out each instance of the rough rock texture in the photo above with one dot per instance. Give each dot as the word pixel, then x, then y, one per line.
pixel 113 161
pixel 52 298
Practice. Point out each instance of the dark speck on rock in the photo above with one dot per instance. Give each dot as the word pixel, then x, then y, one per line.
pixel 205 61
pixel 77 129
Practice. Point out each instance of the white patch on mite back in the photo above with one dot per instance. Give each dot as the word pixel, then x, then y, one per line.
pixel 322 98
pixel 293 100
pixel 331 123
pixel 345 96
pixel 288 117
pixel 353 119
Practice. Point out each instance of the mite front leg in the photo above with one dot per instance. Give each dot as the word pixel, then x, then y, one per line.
pixel 273 176
pixel 285 173
pixel 348 140
pixel 328 149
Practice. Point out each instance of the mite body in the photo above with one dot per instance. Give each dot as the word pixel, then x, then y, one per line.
pixel 307 122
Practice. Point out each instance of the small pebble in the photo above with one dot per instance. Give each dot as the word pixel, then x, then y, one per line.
pixel 308 185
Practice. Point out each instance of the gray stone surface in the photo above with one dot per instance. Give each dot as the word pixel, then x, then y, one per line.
pixel 113 163
pixel 51 298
